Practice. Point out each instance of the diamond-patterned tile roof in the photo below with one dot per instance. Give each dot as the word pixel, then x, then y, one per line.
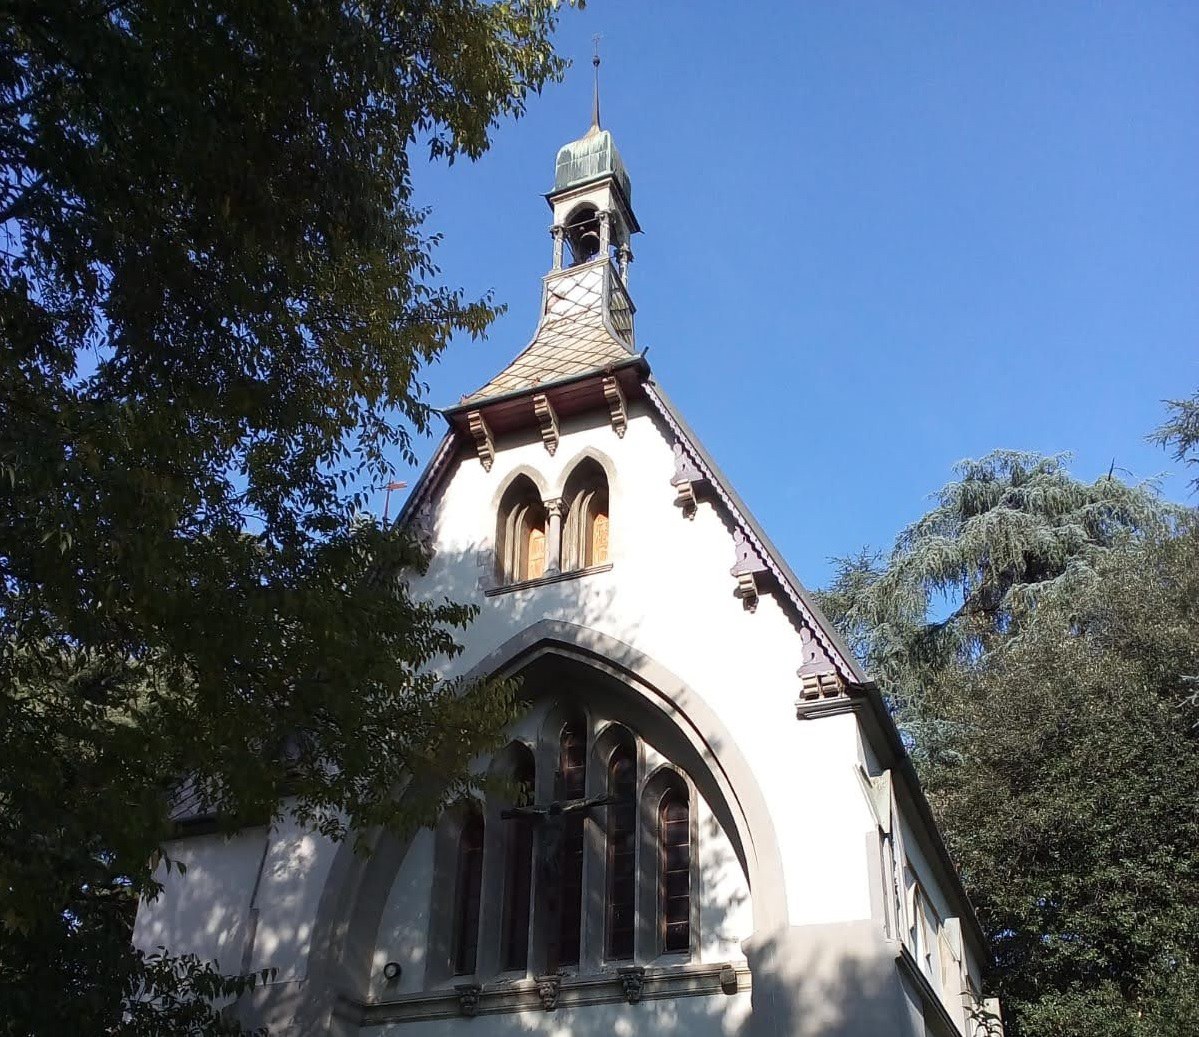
pixel 572 338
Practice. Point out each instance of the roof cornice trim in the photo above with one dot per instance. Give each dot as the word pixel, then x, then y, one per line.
pixel 633 360
pixel 429 479
pixel 821 628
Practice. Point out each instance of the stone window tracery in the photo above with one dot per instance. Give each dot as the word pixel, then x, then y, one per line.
pixel 467 890
pixel 623 877
pixel 621 899
pixel 518 870
pixel 538 538
pixel 674 872
pixel 571 784
pixel 585 536
pixel 521 533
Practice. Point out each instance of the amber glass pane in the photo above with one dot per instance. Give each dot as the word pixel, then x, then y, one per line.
pixel 674 842
pixel 622 834
pixel 466 900
pixel 535 554
pixel 571 784
pixel 599 539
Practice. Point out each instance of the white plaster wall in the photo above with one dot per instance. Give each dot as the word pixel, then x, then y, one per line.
pixel 209 910
pixel 725 912
pixel 404 927
pixel 718 1015
pixel 670 595
pixel 204 911
pixel 293 878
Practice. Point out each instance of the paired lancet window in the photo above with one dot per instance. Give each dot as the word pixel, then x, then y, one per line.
pixel 610 883
pixel 536 538
pixel 521 532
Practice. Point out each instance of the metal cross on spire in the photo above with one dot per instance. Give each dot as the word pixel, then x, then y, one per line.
pixel 595 63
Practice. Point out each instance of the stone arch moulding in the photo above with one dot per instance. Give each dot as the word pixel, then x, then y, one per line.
pixel 529 472
pixel 351 904
pixel 586 453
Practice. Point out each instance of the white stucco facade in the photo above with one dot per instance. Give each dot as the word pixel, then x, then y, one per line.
pixel 806 822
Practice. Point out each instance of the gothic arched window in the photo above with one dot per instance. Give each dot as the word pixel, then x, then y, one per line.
pixel 520 533
pixel 571 783
pixel 621 898
pixel 585 536
pixel 467 888
pixel 518 870
pixel 674 871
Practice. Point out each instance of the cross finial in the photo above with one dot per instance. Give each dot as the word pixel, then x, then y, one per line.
pixel 595 63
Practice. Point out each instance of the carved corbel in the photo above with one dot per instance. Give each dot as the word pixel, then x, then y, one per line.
pixel 484 444
pixel 485 563
pixel 686 476
pixel 558 232
pixel 548 988
pixel 548 421
pixel 747 568
pixel 728 979
pixel 624 256
pixel 818 675
pixel 469 995
pixel 632 979
pixel 617 407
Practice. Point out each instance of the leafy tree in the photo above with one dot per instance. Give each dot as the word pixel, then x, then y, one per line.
pixel 1034 633
pixel 969 573
pixel 216 295
pixel 1064 767
pixel 1180 432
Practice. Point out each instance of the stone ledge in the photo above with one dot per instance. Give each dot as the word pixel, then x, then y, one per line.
pixel 575 992
pixel 543 581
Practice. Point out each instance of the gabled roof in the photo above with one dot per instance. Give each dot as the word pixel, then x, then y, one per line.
pixel 799 596
pixel 574 336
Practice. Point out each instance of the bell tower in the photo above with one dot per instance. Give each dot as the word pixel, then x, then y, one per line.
pixel 586 324
pixel 592 200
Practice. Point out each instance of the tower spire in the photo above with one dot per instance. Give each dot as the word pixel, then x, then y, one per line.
pixel 595 111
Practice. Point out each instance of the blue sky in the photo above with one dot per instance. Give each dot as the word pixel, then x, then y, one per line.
pixel 879 238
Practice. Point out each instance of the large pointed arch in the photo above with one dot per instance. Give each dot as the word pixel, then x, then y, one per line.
pixel 661 705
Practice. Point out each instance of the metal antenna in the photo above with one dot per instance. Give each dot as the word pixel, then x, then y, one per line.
pixel 595 62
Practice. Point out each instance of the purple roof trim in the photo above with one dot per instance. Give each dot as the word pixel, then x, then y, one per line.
pixel 821 628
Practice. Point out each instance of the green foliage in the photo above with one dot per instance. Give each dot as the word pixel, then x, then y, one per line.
pixel 1054 729
pixel 216 296
pixel 1180 432
pixel 1064 767
pixel 1011 527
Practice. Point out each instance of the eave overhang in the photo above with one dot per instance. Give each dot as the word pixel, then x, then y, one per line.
pixel 571 395
pixel 582 186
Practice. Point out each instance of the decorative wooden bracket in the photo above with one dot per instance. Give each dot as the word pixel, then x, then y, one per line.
pixel 746 568
pixel 484 444
pixel 548 421
pixel 632 979
pixel 468 998
pixel 549 987
pixel 617 408
pixel 686 475
pixel 818 675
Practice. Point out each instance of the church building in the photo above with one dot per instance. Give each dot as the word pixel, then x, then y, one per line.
pixel 718 830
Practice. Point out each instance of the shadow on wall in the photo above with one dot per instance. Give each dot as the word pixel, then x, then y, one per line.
pixel 830 981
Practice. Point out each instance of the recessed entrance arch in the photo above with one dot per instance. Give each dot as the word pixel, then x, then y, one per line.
pixel 665 711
